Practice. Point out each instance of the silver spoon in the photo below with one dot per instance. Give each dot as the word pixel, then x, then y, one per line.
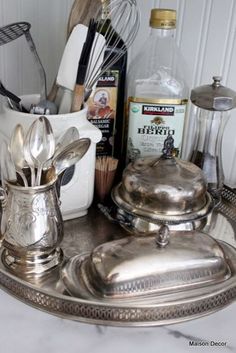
pixel 42 145
pixel 68 137
pixel 70 155
pixel 27 153
pixel 65 139
pixel 17 151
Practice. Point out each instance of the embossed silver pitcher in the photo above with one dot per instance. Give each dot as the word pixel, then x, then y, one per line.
pixel 32 228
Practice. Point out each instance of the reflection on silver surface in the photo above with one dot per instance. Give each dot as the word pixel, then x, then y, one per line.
pixel 223 221
pixel 163 189
pixel 135 267
pixel 82 235
pixel 34 229
pixel 222 229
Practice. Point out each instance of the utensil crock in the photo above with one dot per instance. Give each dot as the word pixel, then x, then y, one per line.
pixel 77 188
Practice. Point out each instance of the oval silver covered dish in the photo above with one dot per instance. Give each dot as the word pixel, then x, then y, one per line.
pixel 135 267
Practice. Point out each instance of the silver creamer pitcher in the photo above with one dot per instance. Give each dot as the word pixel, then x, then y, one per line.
pixel 32 228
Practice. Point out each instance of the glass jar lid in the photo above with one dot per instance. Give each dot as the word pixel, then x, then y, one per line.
pixel 214 97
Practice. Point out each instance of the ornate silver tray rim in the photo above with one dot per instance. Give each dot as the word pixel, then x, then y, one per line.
pixel 118 314
pixel 52 298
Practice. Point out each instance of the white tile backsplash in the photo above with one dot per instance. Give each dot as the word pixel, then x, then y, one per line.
pixel 206 34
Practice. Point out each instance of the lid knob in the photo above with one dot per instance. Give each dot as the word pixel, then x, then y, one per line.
pixel 163 236
pixel 168 147
pixel 216 80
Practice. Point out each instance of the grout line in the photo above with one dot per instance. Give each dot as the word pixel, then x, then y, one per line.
pixel 3 63
pixel 197 74
pixel 181 6
pixel 229 44
pixel 225 69
pixel 204 38
pixel 131 52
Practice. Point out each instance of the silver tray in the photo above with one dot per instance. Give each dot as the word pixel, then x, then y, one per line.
pixel 81 236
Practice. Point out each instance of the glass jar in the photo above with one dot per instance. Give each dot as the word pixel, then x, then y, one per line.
pixel 214 103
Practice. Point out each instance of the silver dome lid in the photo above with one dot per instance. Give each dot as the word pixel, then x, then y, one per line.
pixel 163 189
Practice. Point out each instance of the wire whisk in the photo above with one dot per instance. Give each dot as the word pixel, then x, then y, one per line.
pixel 118 21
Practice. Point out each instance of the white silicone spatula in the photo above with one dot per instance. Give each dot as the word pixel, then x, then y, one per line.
pixel 67 72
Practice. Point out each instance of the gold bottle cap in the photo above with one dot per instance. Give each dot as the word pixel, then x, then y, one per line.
pixel 163 18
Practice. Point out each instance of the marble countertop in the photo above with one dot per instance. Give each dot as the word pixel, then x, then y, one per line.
pixel 24 329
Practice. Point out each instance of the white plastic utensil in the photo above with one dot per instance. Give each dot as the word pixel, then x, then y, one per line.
pixel 81 12
pixel 67 72
pixel 65 101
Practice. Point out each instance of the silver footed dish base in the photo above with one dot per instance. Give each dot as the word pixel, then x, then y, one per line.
pixel 32 266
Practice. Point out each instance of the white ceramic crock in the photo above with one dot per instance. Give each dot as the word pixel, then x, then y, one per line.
pixel 77 194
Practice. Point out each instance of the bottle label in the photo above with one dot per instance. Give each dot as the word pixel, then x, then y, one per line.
pixel 102 107
pixel 150 123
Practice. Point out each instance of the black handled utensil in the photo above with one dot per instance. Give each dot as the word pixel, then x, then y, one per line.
pixel 79 90
pixel 13 100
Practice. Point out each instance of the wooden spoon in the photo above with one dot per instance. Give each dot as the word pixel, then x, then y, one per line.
pixel 81 12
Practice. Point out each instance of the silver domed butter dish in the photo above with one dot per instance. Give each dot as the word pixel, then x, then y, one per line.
pixel 139 267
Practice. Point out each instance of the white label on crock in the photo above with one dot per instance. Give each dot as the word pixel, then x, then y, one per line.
pixel 149 126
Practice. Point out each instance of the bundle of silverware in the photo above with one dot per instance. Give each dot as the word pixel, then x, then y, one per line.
pixel 85 57
pixel 34 158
